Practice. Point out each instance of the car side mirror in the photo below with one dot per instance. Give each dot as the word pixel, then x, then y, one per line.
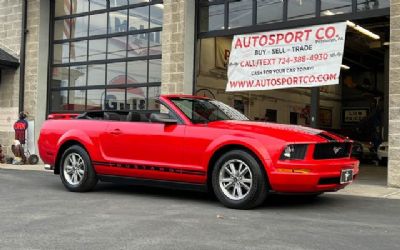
pixel 162 118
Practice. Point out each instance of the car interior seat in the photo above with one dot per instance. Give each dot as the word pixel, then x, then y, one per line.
pixel 133 117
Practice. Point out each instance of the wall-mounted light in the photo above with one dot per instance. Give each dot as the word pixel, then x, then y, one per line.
pixel 363 30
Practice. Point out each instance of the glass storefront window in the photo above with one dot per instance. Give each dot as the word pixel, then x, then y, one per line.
pixel 76 100
pixel 79 6
pixel 154 93
pixel 240 13
pixel 116 73
pixel 335 7
pixel 212 18
pixel 79 27
pixel 97 49
pixel 62 8
pixel 118 3
pixel 97 5
pixel 116 47
pixel 59 100
pixel 118 21
pixel 78 51
pixel 98 24
pixel 62 29
pixel 155 43
pixel 155 70
pixel 269 11
pixel 92 50
pixel 365 5
pixel 156 15
pixel 60 77
pixel 136 98
pixel 61 53
pixel 95 99
pixel 139 18
pixel 138 45
pixel 77 76
pixel 96 75
pixel 299 9
pixel 115 99
pixel 137 72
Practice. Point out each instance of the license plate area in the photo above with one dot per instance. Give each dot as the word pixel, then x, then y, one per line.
pixel 346 176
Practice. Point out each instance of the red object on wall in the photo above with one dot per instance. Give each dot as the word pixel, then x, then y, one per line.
pixel 20 128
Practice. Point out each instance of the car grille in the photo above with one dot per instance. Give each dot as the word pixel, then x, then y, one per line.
pixel 332 150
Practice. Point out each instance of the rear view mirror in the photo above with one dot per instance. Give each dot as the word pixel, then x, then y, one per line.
pixel 162 118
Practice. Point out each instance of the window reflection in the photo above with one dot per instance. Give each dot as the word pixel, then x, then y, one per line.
pixel 155 43
pixel 137 72
pixel 138 45
pixel 62 8
pixel 62 29
pixel 61 53
pixel 115 99
pixel 116 47
pixel 116 73
pixel 77 99
pixel 59 100
pixel 118 21
pixel 240 13
pixel 78 51
pixel 60 77
pixel 95 99
pixel 139 18
pixel 79 6
pixel 154 93
pixel 97 5
pixel 97 49
pixel 98 24
pixel 299 9
pixel 155 70
pixel 269 11
pixel 156 15
pixel 365 5
pixel 96 74
pixel 212 17
pixel 117 3
pixel 329 7
pixel 77 76
pixel 136 98
pixel 79 27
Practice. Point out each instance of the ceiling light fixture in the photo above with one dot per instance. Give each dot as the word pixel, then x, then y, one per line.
pixel 363 30
pixel 345 67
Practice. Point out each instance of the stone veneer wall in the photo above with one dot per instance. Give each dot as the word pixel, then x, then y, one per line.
pixel 10 40
pixel 394 96
pixel 178 47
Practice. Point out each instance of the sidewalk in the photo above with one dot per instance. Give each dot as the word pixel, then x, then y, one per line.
pixel 371 182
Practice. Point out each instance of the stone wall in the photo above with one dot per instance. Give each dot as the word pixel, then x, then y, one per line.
pixel 10 40
pixel 394 96
pixel 178 46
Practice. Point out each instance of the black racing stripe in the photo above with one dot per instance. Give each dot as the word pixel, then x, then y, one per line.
pixel 325 136
pixel 150 168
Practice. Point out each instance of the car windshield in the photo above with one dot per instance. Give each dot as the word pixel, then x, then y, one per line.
pixel 205 110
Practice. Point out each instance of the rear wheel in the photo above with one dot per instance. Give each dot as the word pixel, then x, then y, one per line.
pixel 76 170
pixel 239 181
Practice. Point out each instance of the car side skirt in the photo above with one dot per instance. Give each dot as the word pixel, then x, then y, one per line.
pixel 154 183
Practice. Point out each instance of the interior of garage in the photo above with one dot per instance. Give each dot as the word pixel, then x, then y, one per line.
pixel 357 107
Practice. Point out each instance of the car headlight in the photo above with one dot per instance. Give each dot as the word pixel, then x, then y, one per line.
pixel 294 152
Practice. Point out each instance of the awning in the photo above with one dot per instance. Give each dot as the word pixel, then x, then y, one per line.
pixel 7 60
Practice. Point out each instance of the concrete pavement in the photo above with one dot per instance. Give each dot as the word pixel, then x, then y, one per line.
pixel 370 183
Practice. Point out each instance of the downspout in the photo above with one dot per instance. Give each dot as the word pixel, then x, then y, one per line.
pixel 24 31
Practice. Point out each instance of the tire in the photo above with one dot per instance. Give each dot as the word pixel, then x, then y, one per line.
pixel 224 181
pixel 85 177
pixel 33 159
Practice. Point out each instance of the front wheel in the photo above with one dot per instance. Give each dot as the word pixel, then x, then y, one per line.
pixel 76 170
pixel 239 181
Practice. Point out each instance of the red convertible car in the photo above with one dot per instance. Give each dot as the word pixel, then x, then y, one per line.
pixel 196 143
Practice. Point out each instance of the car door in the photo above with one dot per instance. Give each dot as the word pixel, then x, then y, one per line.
pixel 144 149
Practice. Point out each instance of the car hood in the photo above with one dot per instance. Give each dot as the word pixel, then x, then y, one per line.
pixel 288 133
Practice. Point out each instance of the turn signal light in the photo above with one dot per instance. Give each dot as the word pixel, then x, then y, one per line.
pixel 290 170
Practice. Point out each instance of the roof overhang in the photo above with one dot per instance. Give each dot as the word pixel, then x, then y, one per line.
pixel 8 61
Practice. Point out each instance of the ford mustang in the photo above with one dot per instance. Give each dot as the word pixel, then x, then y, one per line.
pixel 195 143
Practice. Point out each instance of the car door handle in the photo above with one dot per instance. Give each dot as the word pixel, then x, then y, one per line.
pixel 116 131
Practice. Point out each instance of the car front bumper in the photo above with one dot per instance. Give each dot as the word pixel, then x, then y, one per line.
pixel 311 176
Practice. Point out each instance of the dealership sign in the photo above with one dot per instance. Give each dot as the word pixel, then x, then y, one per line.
pixel 303 57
